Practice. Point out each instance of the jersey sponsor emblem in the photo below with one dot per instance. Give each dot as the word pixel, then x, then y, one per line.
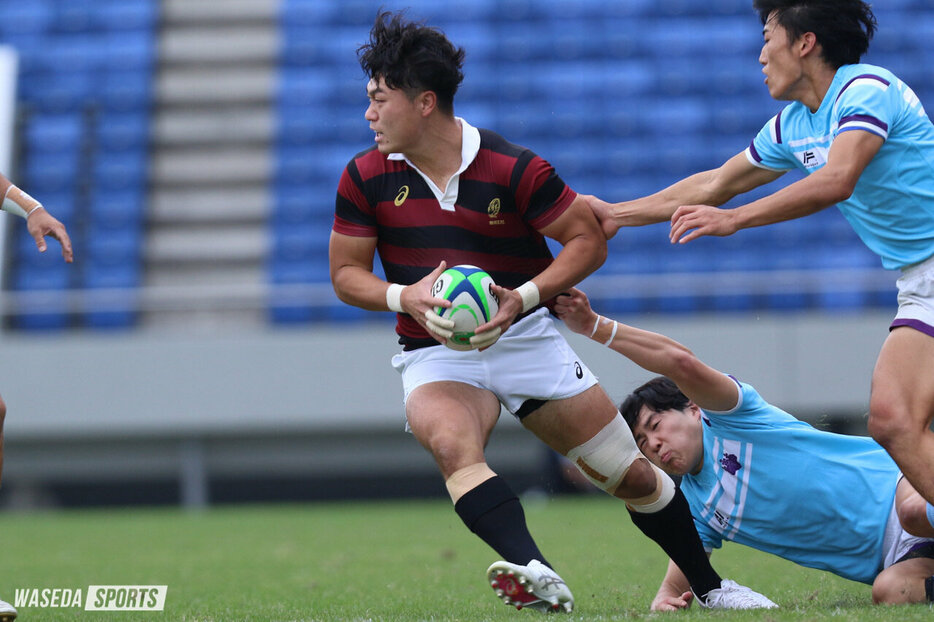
pixel 492 211
pixel 730 463
pixel 402 196
pixel 813 157
pixel 578 371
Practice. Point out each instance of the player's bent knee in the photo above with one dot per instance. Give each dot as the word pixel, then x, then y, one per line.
pixel 889 589
pixel 606 458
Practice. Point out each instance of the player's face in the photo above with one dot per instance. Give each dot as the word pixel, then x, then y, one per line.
pixel 393 116
pixel 781 66
pixel 672 439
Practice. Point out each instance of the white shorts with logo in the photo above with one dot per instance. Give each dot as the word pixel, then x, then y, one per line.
pixel 531 361
pixel 897 542
pixel 916 297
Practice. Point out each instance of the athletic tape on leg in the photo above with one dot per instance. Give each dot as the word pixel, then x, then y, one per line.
pixel 662 495
pixel 606 458
pixel 464 480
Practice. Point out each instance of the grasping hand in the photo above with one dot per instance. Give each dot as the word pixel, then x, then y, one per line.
pixel 690 222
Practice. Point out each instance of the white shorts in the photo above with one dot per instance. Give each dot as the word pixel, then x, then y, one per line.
pixel 897 542
pixel 531 361
pixel 916 297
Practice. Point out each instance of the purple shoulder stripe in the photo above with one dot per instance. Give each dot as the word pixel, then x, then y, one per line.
pixel 755 154
pixel 778 128
pixel 865 118
pixel 861 77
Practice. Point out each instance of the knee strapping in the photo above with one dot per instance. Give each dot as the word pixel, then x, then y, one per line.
pixel 662 495
pixel 606 458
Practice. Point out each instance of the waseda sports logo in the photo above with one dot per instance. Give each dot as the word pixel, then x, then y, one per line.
pixel 98 598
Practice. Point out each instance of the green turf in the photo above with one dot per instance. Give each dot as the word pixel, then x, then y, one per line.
pixel 379 561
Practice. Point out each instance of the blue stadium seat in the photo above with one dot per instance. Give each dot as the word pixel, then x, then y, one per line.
pixel 74 53
pixel 122 170
pixel 65 92
pixel 125 90
pixel 128 51
pixel 118 209
pixel 307 12
pixel 28 18
pixel 303 86
pixel 117 308
pixel 138 15
pixel 52 170
pixel 119 131
pixel 54 132
pixel 52 276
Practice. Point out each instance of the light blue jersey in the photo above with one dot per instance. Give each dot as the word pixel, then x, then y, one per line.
pixel 892 206
pixel 777 484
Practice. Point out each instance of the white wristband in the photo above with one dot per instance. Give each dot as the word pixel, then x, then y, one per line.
pixel 394 297
pixel 530 295
pixel 612 335
pixel 14 207
pixel 596 325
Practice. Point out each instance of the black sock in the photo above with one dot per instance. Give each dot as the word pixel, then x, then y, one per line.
pixel 929 588
pixel 673 529
pixel 493 512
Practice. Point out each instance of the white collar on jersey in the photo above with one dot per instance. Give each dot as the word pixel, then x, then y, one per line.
pixel 470 146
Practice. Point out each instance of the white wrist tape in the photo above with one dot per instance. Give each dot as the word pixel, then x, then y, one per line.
pixel 13 206
pixel 530 295
pixel 612 334
pixel 596 325
pixel 394 297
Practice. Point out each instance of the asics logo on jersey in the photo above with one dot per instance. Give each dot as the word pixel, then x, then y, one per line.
pixel 402 196
pixel 578 371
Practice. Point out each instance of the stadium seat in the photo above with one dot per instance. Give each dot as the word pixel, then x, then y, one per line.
pixel 120 131
pixel 114 308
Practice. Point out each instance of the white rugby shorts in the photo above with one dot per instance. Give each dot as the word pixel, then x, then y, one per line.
pixel 897 542
pixel 916 297
pixel 531 361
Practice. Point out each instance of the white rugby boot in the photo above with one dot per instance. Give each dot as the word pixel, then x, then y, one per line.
pixel 732 595
pixel 7 612
pixel 535 586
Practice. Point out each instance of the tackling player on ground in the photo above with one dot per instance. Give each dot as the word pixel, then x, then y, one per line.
pixel 40 224
pixel 866 144
pixel 754 474
pixel 435 191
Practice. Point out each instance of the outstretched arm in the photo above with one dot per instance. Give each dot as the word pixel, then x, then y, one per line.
pixel 675 591
pixel 713 187
pixel 849 155
pixel 39 222
pixel 704 385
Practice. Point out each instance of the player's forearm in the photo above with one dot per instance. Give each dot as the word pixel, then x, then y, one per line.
pixel 659 207
pixel 581 256
pixel 361 288
pixel 650 351
pixel 802 198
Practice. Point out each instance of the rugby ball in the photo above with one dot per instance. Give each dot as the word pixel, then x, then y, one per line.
pixel 472 302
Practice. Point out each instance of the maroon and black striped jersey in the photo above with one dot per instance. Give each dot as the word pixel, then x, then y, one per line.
pixel 504 196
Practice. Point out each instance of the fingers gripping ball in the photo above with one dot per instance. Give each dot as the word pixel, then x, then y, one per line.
pixel 472 302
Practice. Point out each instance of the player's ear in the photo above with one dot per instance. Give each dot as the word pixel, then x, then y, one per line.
pixel 426 101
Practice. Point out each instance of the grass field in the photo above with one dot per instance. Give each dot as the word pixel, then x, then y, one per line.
pixel 379 561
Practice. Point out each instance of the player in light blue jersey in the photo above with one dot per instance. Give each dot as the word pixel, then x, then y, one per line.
pixel 867 145
pixel 756 475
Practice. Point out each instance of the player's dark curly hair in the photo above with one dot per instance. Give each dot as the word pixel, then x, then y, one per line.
pixel 413 57
pixel 658 394
pixel 842 27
